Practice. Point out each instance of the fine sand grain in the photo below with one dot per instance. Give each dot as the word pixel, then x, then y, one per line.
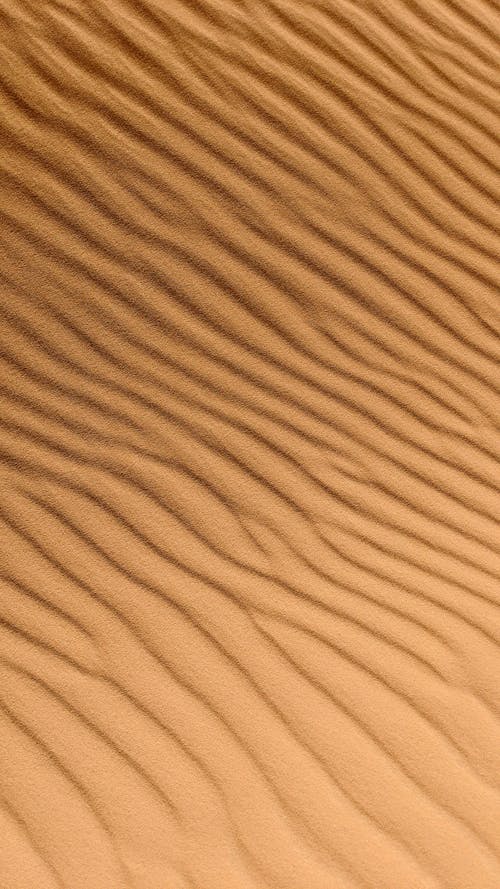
pixel 249 449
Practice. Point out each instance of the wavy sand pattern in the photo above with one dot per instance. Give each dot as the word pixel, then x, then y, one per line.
pixel 249 449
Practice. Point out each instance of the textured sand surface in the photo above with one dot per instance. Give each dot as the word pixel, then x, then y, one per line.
pixel 249 449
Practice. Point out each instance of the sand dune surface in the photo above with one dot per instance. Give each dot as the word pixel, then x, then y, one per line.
pixel 249 449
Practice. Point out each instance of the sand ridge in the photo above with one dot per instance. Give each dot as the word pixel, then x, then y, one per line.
pixel 249 451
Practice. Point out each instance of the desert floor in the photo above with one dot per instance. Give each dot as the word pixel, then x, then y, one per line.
pixel 249 444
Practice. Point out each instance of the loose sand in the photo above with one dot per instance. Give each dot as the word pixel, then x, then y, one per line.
pixel 249 450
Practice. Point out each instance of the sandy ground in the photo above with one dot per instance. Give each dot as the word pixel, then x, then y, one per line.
pixel 249 450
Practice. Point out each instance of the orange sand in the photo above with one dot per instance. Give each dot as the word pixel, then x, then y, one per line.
pixel 249 450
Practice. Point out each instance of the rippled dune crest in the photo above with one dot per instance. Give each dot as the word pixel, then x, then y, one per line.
pixel 249 450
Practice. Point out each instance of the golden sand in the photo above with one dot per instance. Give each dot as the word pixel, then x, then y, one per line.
pixel 249 450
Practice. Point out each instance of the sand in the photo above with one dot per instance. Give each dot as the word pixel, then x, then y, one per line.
pixel 249 449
